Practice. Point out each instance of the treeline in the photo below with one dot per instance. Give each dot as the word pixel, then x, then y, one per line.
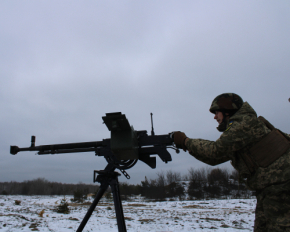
pixel 41 186
pixel 197 184
pixel 216 183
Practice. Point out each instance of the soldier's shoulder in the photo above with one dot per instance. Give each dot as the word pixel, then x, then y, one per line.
pixel 234 126
pixel 242 122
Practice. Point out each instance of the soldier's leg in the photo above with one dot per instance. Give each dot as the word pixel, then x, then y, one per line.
pixel 260 219
pixel 273 212
pixel 277 211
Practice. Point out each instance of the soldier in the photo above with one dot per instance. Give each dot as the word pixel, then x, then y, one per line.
pixel 257 150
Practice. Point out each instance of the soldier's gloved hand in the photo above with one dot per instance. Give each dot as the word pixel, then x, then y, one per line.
pixel 179 139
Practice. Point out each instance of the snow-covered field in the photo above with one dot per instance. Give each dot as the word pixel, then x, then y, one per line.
pixel 212 215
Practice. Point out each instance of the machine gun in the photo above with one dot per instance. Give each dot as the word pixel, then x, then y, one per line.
pixel 122 151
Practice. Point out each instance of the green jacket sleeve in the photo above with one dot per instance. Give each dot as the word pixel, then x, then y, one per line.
pixel 205 151
pixel 235 137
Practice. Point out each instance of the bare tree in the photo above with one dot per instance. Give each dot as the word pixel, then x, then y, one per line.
pixel 161 180
pixel 199 175
pixel 218 175
pixel 172 177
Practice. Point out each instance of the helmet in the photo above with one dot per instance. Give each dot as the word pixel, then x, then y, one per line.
pixel 226 102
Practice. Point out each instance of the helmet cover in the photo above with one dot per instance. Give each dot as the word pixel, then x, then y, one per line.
pixel 226 102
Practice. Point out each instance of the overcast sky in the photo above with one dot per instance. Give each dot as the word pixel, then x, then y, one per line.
pixel 65 64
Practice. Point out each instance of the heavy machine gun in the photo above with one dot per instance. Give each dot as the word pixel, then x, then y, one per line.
pixel 122 151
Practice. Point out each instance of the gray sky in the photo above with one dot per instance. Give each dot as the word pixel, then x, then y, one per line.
pixel 64 64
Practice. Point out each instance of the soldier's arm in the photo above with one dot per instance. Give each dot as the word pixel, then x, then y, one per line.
pixel 215 152
pixel 206 151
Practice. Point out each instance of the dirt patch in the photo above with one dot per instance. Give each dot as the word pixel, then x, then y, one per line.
pixel 146 220
pixel 193 207
pixel 33 227
pixel 137 205
pixel 212 219
pixel 88 204
pixel 15 215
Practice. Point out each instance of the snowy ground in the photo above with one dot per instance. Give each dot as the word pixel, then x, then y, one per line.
pixel 212 215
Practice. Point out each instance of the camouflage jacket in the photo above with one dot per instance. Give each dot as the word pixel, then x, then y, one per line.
pixel 243 131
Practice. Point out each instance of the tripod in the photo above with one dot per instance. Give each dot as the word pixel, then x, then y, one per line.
pixel 107 177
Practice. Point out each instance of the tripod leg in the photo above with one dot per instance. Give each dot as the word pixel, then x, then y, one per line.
pixel 118 205
pixel 99 195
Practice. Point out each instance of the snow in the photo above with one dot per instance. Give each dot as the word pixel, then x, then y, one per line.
pixel 140 215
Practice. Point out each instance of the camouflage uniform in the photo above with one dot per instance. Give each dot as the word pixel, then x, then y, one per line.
pixel 272 183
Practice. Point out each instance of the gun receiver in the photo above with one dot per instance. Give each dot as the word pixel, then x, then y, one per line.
pixel 125 147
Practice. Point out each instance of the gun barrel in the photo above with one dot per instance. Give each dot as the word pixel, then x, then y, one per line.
pixel 58 148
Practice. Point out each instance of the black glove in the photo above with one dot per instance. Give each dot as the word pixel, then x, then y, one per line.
pixel 179 139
